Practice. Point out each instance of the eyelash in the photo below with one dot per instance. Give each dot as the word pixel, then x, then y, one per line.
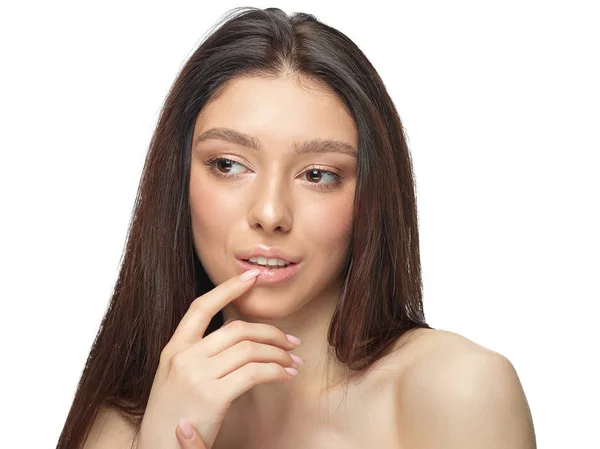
pixel 212 164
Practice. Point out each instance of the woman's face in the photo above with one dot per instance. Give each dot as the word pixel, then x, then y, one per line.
pixel 274 197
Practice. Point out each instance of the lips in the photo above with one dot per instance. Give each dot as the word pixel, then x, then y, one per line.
pixel 266 252
pixel 267 265
pixel 268 275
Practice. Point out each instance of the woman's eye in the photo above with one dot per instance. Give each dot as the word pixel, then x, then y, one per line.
pixel 226 168
pixel 223 166
pixel 315 176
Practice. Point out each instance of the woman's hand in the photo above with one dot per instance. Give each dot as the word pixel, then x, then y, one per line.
pixel 198 378
pixel 188 436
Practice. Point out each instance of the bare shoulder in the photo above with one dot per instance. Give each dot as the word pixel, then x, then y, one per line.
pixel 457 393
pixel 438 355
pixel 110 430
pixel 444 340
pixel 421 346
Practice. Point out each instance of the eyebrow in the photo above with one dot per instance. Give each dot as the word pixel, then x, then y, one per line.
pixel 317 145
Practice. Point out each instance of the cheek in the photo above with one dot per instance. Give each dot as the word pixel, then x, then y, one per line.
pixel 213 211
pixel 329 225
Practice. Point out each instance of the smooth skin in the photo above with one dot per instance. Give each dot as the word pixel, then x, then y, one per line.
pixel 478 404
pixel 198 378
pixel 435 389
pixel 299 202
pixel 459 397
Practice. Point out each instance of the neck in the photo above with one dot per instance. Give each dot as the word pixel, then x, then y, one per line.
pixel 270 404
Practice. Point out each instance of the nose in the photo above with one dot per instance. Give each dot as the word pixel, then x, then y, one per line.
pixel 270 208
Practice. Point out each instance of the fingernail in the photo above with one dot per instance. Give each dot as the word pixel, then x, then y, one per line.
pixel 292 371
pixel 186 429
pixel 249 275
pixel 297 359
pixel 293 339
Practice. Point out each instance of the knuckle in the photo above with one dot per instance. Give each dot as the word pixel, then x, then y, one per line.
pixel 237 326
pixel 177 363
pixel 275 369
pixel 253 372
pixel 248 348
pixel 197 306
pixel 165 355
pixel 276 332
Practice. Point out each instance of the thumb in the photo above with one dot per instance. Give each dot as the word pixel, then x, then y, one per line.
pixel 188 436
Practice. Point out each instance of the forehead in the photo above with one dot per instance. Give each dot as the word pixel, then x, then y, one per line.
pixel 279 110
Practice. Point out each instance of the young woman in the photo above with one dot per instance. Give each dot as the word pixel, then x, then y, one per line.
pixel 278 195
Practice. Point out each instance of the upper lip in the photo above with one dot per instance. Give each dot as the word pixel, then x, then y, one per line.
pixel 267 252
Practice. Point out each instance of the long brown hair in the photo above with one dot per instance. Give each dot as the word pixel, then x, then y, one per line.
pixel 161 275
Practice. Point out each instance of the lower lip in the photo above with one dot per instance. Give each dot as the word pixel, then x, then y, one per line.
pixel 269 275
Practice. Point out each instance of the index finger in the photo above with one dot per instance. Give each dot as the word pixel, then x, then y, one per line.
pixel 194 323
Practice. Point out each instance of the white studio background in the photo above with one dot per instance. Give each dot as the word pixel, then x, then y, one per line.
pixel 500 101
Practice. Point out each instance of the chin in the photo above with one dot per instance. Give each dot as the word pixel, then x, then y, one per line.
pixel 261 306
